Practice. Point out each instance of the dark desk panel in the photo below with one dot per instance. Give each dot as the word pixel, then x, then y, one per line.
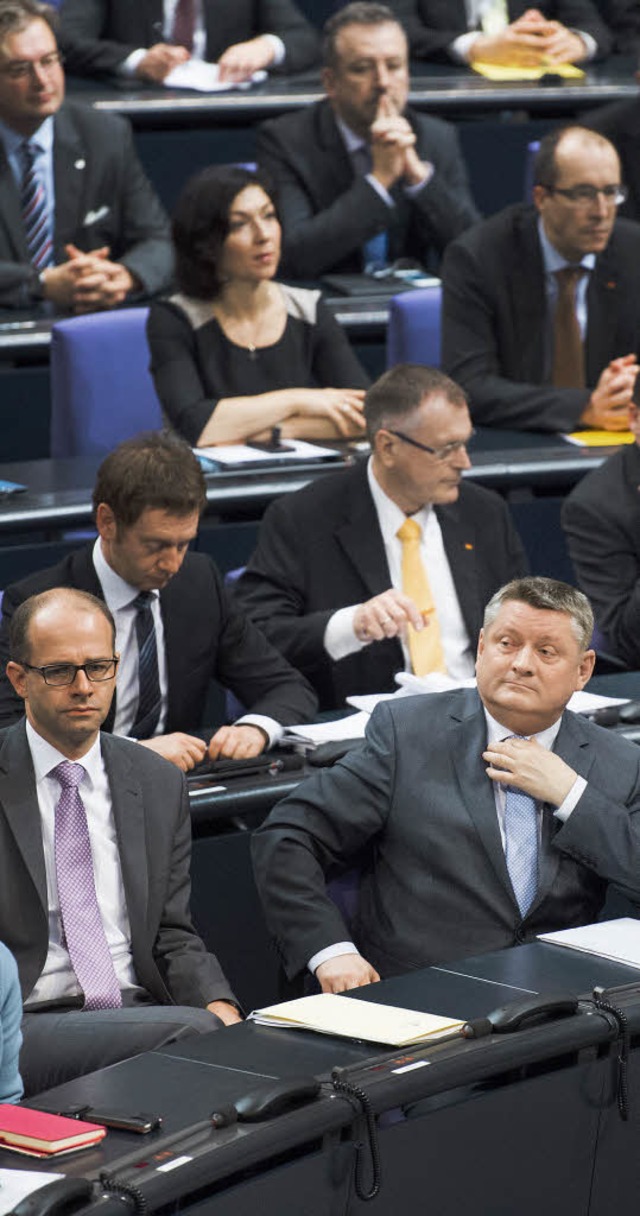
pixel 511 1123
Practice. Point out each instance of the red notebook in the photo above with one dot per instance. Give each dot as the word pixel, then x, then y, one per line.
pixel 39 1134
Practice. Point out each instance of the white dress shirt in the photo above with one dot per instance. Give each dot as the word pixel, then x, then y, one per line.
pixel 340 639
pixel 129 65
pixel 495 733
pixel 58 979
pixel 476 10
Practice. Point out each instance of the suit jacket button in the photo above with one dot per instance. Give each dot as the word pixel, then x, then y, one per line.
pixel 519 937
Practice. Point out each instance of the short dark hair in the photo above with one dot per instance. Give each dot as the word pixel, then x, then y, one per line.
pixel 550 595
pixel 359 13
pixel 15 15
pixel 200 225
pixel 545 165
pixel 401 390
pixel 19 647
pixel 156 470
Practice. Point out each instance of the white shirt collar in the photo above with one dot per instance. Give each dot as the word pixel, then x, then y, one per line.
pixel 553 260
pixel 390 515
pixel 117 593
pixel 496 732
pixel 45 757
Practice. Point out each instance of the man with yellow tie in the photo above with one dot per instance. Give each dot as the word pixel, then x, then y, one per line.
pixel 387 565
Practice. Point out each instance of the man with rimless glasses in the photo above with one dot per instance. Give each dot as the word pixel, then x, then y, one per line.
pixel 541 304
pixel 386 566
pixel 94 860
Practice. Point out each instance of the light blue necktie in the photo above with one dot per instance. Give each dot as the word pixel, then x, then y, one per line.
pixel 521 844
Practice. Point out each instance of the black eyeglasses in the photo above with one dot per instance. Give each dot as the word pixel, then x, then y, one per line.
pixel 443 453
pixel 583 196
pixel 58 675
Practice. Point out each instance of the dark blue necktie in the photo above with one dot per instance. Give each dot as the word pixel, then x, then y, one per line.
pixel 149 698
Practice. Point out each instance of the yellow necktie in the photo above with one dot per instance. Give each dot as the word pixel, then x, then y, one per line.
pixel 425 647
pixel 495 18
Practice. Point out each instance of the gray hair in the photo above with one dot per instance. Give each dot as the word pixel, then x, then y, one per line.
pixel 358 13
pixel 551 595
pixel 16 15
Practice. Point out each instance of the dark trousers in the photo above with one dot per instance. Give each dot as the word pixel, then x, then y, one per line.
pixel 63 1042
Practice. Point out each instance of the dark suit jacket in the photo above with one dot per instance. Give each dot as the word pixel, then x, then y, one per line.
pixel 432 25
pixel 328 214
pixel 96 170
pixel 621 124
pixel 321 549
pixel 151 813
pixel 601 518
pixel 495 332
pixel 205 638
pixel 623 20
pixel 97 35
pixel 437 886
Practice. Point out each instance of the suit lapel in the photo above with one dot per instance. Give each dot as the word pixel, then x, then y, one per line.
pixel 128 814
pixel 603 300
pixel 19 801
pixel 360 538
pixel 573 746
pixel 69 171
pixel 340 176
pixel 459 545
pixel 528 299
pixel 468 741
pixel 10 211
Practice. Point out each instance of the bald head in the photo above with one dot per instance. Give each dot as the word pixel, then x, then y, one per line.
pixel 576 191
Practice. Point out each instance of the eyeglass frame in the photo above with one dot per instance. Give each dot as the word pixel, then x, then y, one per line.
pixel 621 194
pixel 444 453
pixel 76 668
pixel 20 69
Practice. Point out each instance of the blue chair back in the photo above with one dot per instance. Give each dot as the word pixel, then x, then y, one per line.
pixel 413 335
pixel 101 387
pixel 532 151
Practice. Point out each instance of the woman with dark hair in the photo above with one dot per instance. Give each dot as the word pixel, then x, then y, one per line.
pixel 234 353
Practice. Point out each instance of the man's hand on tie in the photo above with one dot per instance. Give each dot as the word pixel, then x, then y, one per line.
pixel 530 767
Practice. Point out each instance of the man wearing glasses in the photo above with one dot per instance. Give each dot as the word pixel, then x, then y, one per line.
pixel 541 305
pixel 81 226
pixel 387 566
pixel 94 870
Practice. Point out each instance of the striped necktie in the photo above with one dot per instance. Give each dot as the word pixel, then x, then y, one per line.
pixel 33 203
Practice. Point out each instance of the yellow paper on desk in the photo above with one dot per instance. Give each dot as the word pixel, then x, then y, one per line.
pixel 506 72
pixel 328 1013
pixel 600 439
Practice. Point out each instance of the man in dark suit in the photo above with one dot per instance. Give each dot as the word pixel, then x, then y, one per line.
pixel 601 518
pixel 149 38
pixel 516 33
pixel 148 497
pixel 541 305
pixel 488 817
pixel 80 225
pixel 361 179
pixel 623 20
pixel 95 850
pixel 326 581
